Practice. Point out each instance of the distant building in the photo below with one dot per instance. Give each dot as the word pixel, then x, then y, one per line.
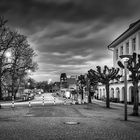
pixel 63 80
pixel 71 82
pixel 127 43
pixel 67 85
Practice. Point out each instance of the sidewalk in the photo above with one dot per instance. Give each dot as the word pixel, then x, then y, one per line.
pixel 111 103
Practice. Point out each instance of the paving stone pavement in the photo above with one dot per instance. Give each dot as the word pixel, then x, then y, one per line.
pixel 48 123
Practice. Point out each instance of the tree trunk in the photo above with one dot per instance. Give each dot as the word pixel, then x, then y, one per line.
pixel 0 91
pixel 12 88
pixel 88 90
pixel 89 97
pixel 136 100
pixel 82 95
pixel 107 96
pixel 0 83
pixel 0 86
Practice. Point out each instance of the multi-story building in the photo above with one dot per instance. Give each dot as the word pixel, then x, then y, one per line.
pixel 127 43
pixel 63 81
pixel 67 84
pixel 72 82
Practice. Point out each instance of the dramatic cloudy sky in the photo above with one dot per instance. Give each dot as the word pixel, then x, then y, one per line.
pixel 70 35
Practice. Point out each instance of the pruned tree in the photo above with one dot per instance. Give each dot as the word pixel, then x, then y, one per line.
pixel 81 83
pixel 134 67
pixel 93 81
pixel 105 77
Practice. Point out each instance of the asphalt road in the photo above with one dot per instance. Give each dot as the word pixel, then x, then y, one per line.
pixel 43 99
pixel 95 122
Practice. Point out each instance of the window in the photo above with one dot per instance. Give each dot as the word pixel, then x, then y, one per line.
pixel 127 48
pixel 122 50
pixel 134 44
pixel 120 71
pixel 116 54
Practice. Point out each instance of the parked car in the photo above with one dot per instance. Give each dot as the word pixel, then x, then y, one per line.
pixel 31 96
pixel 24 97
pixel 27 97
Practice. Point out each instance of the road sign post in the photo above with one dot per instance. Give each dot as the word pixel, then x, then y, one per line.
pixel 13 102
pixel 54 100
pixel 29 102
pixel 43 101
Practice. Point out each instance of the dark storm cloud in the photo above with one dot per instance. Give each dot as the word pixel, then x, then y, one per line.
pixel 69 35
pixel 31 12
pixel 76 46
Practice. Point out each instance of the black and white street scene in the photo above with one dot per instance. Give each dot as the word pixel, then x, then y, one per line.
pixel 69 70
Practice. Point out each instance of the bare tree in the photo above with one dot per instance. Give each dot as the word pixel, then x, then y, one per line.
pixel 93 81
pixel 82 83
pixel 21 58
pixel 7 38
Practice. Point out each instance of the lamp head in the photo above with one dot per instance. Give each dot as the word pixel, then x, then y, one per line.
pixel 125 57
pixel 8 54
pixel 29 71
pixel 49 81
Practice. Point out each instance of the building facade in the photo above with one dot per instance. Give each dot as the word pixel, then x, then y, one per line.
pixel 63 81
pixel 127 43
pixel 72 82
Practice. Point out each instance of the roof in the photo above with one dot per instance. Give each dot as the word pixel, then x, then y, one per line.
pixel 131 30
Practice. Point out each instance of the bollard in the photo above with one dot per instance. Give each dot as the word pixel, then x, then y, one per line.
pixel 13 103
pixel 73 101
pixel 43 101
pixel 29 102
pixel 65 101
pixel 54 100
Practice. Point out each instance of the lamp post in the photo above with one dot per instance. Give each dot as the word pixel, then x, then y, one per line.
pixel 0 76
pixel 28 85
pixel 125 58
pixel 49 82
pixel 87 88
pixel 8 56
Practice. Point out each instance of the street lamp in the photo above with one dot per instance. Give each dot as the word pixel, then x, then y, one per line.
pixel 28 83
pixel 49 82
pixel 125 59
pixel 29 71
pixel 8 56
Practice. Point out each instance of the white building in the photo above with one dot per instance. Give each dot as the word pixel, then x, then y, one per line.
pixel 127 43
